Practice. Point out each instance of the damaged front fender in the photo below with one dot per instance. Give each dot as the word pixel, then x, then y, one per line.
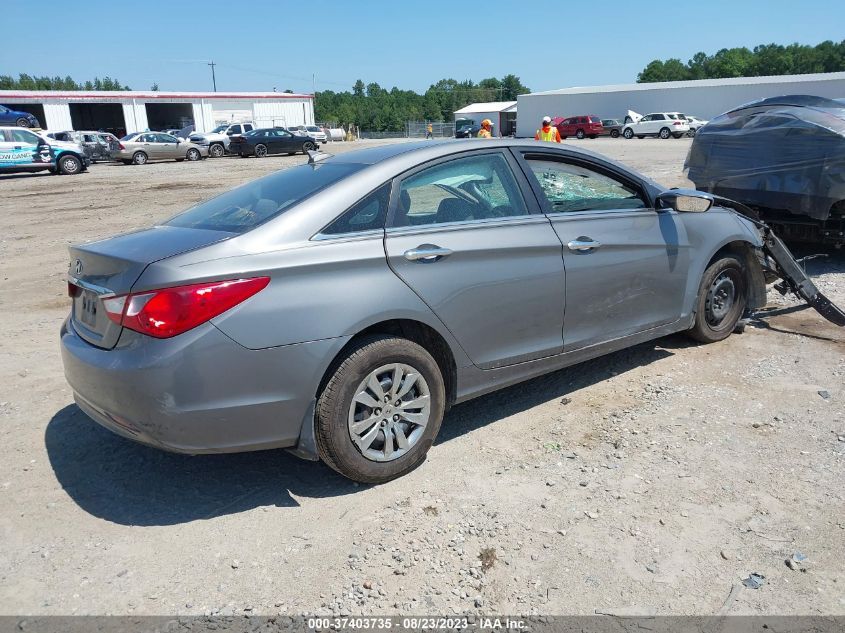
pixel 779 262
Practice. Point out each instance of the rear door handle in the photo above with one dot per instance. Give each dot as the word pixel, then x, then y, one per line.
pixel 427 253
pixel 583 244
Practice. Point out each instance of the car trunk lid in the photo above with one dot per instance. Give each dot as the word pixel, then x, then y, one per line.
pixel 107 268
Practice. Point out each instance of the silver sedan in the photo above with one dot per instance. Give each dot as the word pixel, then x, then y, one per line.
pixel 141 147
pixel 339 308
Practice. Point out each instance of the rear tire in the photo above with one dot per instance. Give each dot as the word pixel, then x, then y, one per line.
pixel 216 150
pixel 664 133
pixel 640 136
pixel 677 134
pixel 139 158
pixel 341 407
pixel 22 122
pixel 614 134
pixel 721 300
pixel 260 150
pixel 69 165
pixel 579 135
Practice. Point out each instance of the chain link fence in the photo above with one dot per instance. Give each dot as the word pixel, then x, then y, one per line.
pixel 415 129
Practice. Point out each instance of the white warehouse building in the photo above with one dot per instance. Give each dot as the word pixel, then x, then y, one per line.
pixel 704 98
pixel 123 112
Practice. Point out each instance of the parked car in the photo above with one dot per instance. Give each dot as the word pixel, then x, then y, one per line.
pixel 12 117
pixel 96 145
pixel 467 131
pixel 611 127
pixel 270 140
pixel 218 139
pixel 581 126
pixel 23 150
pixel 339 308
pixel 139 148
pixel 660 124
pixel 695 124
pixel 316 133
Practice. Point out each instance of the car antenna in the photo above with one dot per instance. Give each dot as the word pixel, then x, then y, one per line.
pixel 315 156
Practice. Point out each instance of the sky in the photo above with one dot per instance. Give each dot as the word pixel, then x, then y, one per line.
pixel 258 45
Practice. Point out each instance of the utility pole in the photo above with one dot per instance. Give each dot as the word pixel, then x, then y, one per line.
pixel 213 78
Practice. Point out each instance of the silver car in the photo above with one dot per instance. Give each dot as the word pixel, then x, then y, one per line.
pixel 340 308
pixel 141 147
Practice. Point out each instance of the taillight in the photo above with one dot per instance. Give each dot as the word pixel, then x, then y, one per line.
pixel 170 311
pixel 73 290
pixel 121 146
pixel 677 123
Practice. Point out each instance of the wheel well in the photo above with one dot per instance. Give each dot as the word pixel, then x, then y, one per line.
pixel 423 335
pixel 745 252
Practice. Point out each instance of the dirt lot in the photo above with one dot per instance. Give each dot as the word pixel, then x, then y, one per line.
pixel 652 480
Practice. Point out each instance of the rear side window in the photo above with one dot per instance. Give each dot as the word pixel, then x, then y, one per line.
pixel 595 119
pixel 366 215
pixel 252 204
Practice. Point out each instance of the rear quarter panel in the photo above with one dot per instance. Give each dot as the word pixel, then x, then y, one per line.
pixel 319 289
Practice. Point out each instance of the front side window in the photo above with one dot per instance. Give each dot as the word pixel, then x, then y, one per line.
pixel 475 188
pixel 165 138
pixel 367 214
pixel 244 208
pixel 247 127
pixel 569 188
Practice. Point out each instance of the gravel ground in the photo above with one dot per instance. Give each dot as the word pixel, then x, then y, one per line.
pixel 652 480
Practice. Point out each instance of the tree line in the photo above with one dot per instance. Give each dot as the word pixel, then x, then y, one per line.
pixel 371 107
pixel 28 82
pixel 762 60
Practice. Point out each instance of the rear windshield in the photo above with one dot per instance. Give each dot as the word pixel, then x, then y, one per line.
pixel 244 208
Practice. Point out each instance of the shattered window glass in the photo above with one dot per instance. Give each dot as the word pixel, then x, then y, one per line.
pixel 570 188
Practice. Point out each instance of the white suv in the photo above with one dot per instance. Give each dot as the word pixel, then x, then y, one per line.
pixel 316 133
pixel 218 139
pixel 660 124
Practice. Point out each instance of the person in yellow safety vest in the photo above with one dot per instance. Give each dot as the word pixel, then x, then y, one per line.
pixel 429 131
pixel 485 131
pixel 547 132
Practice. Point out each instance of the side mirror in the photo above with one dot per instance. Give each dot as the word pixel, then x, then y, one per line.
pixel 684 201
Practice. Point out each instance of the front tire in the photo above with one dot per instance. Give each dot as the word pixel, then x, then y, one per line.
pixel 308 146
pixel 216 150
pixel 628 133
pixel 380 410
pixel 69 165
pixel 22 122
pixel 664 133
pixel 193 154
pixel 579 135
pixel 721 300
pixel 614 134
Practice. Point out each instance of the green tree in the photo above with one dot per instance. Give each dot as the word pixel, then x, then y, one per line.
pixel 762 60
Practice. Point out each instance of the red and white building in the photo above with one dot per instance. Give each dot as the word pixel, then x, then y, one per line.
pixel 136 111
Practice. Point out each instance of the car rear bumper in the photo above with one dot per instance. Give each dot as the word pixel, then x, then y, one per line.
pixel 199 392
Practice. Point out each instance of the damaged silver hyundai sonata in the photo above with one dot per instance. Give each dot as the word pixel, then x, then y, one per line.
pixel 339 308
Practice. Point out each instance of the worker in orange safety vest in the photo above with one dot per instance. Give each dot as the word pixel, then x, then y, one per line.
pixel 486 129
pixel 547 132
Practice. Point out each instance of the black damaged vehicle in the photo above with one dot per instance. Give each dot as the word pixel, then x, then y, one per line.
pixel 784 157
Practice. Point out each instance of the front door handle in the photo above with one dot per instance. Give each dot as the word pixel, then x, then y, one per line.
pixel 427 253
pixel 583 244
